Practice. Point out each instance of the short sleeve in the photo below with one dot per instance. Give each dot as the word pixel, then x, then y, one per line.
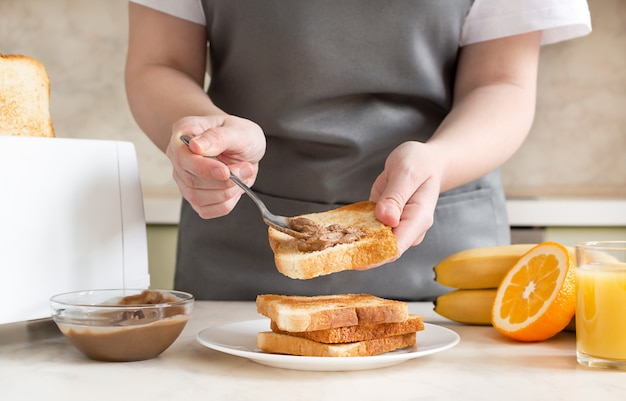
pixel 190 10
pixel 559 20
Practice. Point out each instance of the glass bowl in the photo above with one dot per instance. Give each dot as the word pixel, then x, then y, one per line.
pixel 121 325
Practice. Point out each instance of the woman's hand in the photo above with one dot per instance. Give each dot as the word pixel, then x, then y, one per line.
pixel 232 144
pixel 406 192
pixel 493 108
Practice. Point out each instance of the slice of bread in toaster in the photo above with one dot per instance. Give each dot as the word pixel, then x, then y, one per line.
pixel 24 97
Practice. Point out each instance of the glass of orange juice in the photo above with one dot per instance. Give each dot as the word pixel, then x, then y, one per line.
pixel 601 304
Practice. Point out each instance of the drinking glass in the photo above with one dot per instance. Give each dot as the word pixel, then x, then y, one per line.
pixel 601 304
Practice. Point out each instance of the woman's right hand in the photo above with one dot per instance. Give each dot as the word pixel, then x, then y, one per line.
pixel 232 144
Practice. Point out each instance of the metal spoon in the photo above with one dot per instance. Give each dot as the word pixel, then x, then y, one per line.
pixel 280 223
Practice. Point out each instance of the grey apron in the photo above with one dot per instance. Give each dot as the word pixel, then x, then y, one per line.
pixel 336 86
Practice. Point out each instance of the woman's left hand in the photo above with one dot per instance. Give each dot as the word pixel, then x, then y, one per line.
pixel 406 192
pixel 494 102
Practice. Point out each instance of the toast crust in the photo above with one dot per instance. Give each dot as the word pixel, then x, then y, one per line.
pixel 301 313
pixel 378 246
pixel 364 332
pixel 24 97
pixel 276 343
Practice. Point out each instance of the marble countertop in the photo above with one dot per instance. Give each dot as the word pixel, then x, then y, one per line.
pixel 36 362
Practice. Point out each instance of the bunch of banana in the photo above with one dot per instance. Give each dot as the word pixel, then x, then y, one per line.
pixel 475 274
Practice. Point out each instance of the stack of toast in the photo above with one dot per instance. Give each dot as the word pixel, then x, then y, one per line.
pixel 344 325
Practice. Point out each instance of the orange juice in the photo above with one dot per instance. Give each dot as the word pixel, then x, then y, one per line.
pixel 601 311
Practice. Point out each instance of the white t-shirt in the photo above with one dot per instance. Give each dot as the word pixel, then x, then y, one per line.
pixel 488 19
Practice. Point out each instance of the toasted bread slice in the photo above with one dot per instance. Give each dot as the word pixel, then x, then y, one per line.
pixel 361 332
pixel 300 313
pixel 275 343
pixel 24 97
pixel 378 246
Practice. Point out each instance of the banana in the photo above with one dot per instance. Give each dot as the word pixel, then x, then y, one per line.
pixel 476 274
pixel 473 307
pixel 467 306
pixel 479 268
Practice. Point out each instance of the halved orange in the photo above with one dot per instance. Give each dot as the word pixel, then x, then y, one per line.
pixel 537 298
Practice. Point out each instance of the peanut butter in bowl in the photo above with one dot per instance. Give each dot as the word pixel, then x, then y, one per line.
pixel 122 325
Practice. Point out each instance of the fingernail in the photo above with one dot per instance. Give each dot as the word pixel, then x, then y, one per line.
pixel 202 142
pixel 217 173
pixel 245 172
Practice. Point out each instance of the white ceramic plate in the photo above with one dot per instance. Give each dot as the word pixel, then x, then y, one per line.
pixel 240 339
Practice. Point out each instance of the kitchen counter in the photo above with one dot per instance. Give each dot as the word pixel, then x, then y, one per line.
pixel 36 362
pixel 163 207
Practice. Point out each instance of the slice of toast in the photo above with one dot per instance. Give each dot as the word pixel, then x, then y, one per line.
pixel 301 313
pixel 378 246
pixel 24 97
pixel 362 332
pixel 276 343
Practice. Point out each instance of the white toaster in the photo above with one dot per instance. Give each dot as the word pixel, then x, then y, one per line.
pixel 71 218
